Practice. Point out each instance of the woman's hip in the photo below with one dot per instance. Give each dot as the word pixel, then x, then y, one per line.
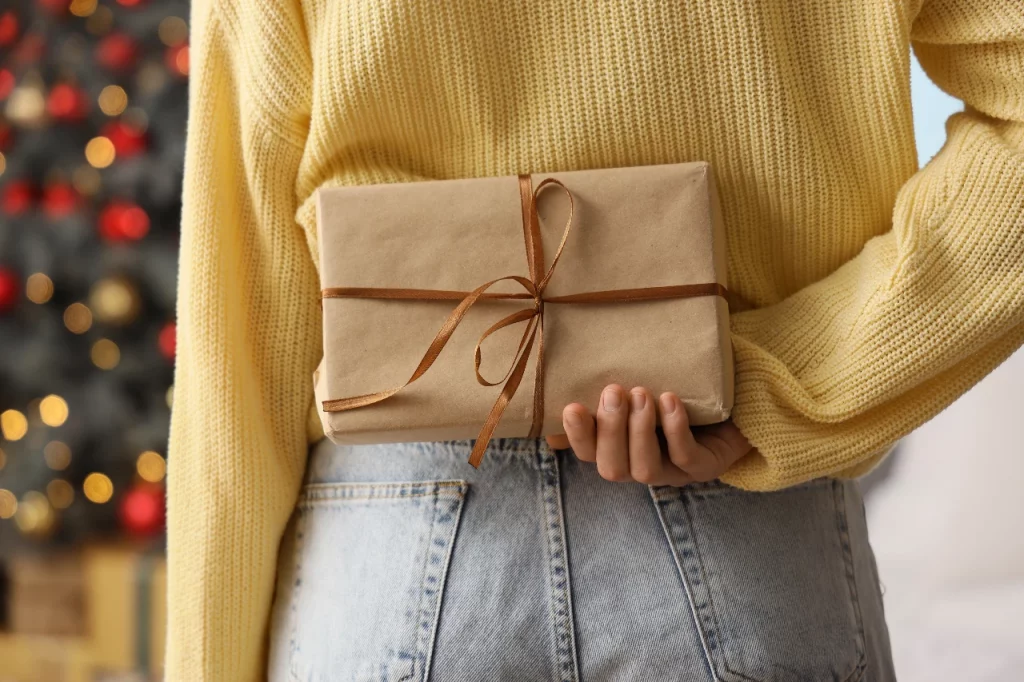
pixel 402 562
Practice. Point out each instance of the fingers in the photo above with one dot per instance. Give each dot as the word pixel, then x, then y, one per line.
pixel 579 429
pixel 644 448
pixel 701 463
pixel 612 443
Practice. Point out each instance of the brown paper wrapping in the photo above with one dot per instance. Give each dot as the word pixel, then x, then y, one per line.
pixel 633 227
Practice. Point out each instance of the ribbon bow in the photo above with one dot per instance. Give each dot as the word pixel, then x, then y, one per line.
pixel 533 316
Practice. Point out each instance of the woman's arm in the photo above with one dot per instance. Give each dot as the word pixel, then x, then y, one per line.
pixel 248 336
pixel 832 375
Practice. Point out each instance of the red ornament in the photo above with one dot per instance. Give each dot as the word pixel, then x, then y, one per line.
pixel 67 103
pixel 6 83
pixel 129 3
pixel 128 140
pixel 116 51
pixel 176 58
pixel 8 28
pixel 122 221
pixel 5 135
pixel 17 198
pixel 168 340
pixel 59 199
pixel 10 289
pixel 142 509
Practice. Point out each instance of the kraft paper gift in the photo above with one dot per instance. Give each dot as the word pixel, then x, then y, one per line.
pixel 397 260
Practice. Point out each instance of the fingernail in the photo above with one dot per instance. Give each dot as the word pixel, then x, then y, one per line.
pixel 573 418
pixel 611 400
pixel 638 399
pixel 668 404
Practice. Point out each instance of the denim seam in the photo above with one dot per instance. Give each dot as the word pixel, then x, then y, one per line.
pixel 706 589
pixel 443 575
pixel 452 491
pixel 564 639
pixel 842 526
pixel 421 606
pixel 660 502
pixel 293 644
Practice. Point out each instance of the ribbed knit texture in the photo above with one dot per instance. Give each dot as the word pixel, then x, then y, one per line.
pixel 880 293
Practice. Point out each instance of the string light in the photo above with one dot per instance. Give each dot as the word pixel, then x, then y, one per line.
pixel 3 163
pixel 3 459
pixel 113 100
pixel 114 300
pixel 54 410
pixel 170 397
pixel 77 318
pixel 13 424
pixel 82 8
pixel 8 504
pixel 99 152
pixel 39 288
pixel 60 492
pixel 105 354
pixel 34 515
pixel 86 180
pixel 173 31
pixel 151 466
pixel 57 455
pixel 98 488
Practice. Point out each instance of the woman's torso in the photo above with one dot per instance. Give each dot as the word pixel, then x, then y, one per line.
pixel 789 100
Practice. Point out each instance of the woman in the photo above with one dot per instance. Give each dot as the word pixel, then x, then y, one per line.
pixel 877 293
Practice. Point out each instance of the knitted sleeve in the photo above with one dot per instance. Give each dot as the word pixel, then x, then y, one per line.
pixel 248 336
pixel 829 377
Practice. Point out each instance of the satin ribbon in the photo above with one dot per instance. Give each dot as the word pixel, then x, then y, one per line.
pixel 532 316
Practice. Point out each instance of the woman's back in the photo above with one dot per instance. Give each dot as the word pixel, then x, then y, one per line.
pixel 879 294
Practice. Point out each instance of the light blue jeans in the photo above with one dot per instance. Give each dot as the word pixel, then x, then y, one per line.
pixel 402 562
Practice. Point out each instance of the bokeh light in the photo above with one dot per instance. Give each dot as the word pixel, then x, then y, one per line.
pixel 78 318
pixel 60 493
pixel 57 455
pixel 98 488
pixel 53 410
pixel 8 504
pixel 13 424
pixel 151 466
pixel 99 152
pixel 113 100
pixel 39 288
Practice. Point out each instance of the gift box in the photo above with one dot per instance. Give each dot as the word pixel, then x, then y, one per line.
pixel 480 307
pixel 46 595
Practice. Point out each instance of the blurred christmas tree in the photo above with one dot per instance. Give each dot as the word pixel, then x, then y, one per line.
pixel 92 124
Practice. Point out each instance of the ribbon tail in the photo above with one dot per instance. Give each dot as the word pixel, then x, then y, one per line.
pixel 509 390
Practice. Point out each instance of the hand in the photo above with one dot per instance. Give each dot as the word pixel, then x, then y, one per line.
pixel 626 446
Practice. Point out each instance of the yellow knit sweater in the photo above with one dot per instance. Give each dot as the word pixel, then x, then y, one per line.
pixel 880 292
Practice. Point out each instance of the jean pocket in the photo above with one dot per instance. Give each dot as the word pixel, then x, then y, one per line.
pixel 770 580
pixel 370 566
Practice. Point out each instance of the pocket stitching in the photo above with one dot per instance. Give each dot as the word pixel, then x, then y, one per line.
pixel 667 496
pixel 454 490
